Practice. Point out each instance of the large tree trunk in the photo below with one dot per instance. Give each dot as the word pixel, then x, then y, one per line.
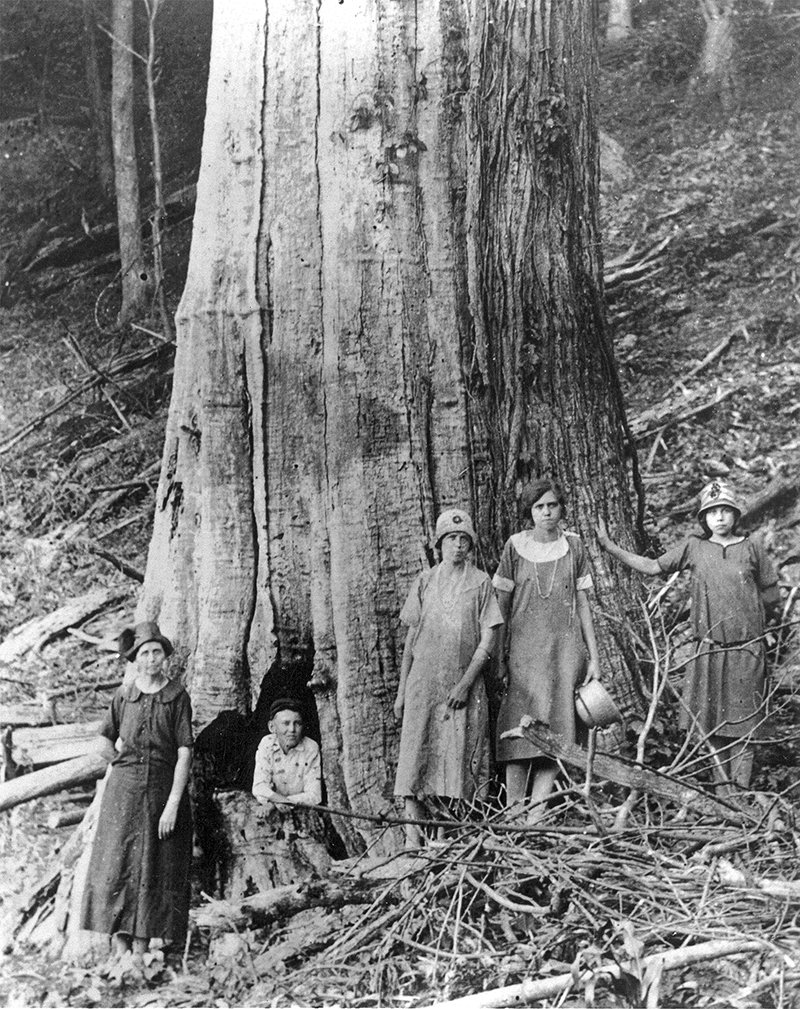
pixel 135 285
pixel 393 305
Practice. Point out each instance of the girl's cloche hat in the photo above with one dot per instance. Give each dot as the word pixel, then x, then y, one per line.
pixel 715 495
pixel 132 639
pixel 454 520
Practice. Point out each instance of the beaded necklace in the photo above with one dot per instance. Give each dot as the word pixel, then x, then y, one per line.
pixel 545 595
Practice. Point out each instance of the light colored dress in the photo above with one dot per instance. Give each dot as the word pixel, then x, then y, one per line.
pixel 546 654
pixel 724 688
pixel 445 751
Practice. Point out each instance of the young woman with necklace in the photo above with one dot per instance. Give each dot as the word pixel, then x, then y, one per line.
pixel 549 644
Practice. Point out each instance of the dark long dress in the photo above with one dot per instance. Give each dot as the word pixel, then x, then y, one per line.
pixel 724 688
pixel 137 883
pixel 546 652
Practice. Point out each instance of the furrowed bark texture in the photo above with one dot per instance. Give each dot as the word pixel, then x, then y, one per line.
pixel 360 346
pixel 547 393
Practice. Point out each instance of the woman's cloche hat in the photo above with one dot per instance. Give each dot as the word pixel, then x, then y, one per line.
pixel 132 639
pixel 715 495
pixel 454 520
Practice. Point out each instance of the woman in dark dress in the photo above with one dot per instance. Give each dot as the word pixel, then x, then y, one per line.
pixel 138 880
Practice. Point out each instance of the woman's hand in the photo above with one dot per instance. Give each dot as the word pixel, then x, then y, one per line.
pixel 166 823
pixel 602 534
pixel 592 671
pixel 399 704
pixel 458 696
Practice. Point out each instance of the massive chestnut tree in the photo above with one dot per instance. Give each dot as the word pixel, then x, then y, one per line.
pixel 394 305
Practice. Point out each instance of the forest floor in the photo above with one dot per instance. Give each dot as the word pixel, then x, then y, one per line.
pixel 723 194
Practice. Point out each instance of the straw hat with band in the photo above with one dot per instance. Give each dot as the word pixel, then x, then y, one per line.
pixel 454 520
pixel 132 639
pixel 717 494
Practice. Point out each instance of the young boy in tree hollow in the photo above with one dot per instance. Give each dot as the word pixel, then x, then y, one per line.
pixel 287 767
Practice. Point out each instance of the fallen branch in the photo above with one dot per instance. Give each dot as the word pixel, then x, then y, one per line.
pixel 534 991
pixel 631 776
pixel 283 902
pixel 52 779
pixel 34 634
pixel 661 417
pixel 123 366
pixel 117 562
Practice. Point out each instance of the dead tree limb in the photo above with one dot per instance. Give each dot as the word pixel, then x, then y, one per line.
pixel 117 562
pixel 130 363
pixel 35 634
pixel 548 988
pixel 283 902
pixel 683 793
pixel 52 779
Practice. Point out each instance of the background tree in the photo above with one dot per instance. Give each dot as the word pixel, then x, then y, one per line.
pixel 620 20
pixel 394 304
pixel 99 112
pixel 715 73
pixel 135 280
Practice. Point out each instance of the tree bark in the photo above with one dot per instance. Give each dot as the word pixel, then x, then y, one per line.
pixel 393 305
pixel 135 281
pixel 98 104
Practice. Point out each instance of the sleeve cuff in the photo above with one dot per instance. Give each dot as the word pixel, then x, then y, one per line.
pixel 503 584
pixel 585 582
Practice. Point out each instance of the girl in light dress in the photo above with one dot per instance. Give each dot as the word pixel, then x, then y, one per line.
pixel 452 618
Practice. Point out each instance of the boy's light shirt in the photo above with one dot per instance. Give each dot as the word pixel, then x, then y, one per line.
pixel 296 773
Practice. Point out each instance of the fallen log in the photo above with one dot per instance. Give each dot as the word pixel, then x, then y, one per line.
pixel 283 902
pixel 34 634
pixel 29 713
pixel 52 779
pixel 615 769
pixel 779 493
pixel 65 818
pixel 53 744
pixel 547 988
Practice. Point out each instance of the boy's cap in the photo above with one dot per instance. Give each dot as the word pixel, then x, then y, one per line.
pixel 285 704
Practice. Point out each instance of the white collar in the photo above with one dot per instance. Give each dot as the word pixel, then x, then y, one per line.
pixel 539 552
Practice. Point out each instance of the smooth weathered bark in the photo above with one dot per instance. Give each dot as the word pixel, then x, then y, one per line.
pixel 620 20
pixel 393 305
pixel 99 112
pixel 135 281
